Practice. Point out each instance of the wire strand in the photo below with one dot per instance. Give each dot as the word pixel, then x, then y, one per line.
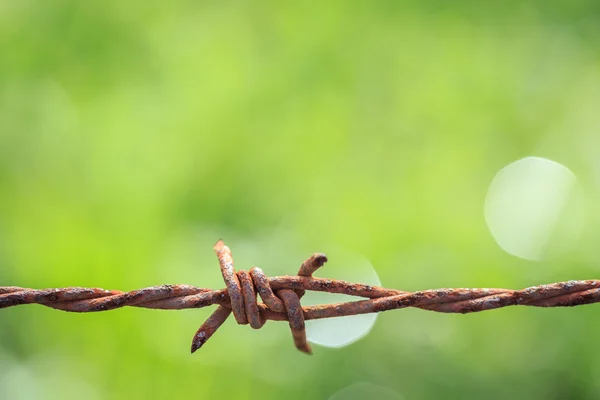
pixel 281 298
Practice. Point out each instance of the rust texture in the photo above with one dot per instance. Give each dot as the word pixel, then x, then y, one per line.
pixel 281 298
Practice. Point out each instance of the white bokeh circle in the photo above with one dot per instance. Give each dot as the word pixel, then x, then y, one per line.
pixel 287 251
pixel 365 391
pixel 342 331
pixel 534 208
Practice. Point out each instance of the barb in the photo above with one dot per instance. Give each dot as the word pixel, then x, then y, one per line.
pixel 281 298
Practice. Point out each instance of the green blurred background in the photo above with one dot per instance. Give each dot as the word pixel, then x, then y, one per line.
pixel 135 134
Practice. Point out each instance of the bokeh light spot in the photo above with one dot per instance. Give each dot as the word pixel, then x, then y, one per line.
pixel 365 391
pixel 534 208
pixel 340 332
pixel 341 264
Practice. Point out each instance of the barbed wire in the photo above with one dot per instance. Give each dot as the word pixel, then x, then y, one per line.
pixel 281 298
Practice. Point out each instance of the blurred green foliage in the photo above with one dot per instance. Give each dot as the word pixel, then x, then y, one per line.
pixel 134 134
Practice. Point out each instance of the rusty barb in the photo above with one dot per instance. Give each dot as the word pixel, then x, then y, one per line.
pixel 281 298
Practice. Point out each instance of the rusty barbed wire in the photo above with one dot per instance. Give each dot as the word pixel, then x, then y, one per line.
pixel 281 298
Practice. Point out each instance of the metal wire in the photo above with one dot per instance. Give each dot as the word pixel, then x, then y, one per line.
pixel 281 298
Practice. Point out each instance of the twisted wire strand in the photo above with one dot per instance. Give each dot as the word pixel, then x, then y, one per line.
pixel 281 298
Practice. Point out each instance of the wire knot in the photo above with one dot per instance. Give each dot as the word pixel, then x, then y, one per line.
pixel 243 287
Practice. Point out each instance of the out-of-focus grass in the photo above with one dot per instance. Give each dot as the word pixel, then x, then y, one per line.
pixel 135 134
